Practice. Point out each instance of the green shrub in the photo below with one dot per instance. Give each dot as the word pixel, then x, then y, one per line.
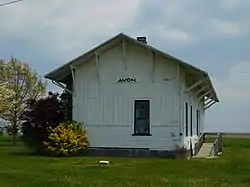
pixel 67 139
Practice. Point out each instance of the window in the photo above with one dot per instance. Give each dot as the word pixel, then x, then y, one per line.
pixel 191 120
pixel 186 118
pixel 197 122
pixel 141 117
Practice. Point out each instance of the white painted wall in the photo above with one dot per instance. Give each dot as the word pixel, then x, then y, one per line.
pixel 107 107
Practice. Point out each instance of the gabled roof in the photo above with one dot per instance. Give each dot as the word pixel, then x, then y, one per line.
pixel 64 70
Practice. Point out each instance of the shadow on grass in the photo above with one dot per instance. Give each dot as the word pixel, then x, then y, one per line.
pixel 8 144
pixel 24 154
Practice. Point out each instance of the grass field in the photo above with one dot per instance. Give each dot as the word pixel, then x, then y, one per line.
pixel 20 168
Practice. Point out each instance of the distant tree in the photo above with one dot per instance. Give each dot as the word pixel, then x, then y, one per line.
pixel 20 84
pixel 5 92
pixel 5 97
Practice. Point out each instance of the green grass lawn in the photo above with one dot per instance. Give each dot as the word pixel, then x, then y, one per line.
pixel 20 168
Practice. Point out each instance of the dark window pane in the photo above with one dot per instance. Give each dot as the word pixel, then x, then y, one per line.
pixel 142 122
pixel 186 118
pixel 191 120
pixel 141 118
pixel 198 122
pixel 140 113
pixel 142 126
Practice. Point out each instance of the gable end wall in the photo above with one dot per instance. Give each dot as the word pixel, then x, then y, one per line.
pixel 107 107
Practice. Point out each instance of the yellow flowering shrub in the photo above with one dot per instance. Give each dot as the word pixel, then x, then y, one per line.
pixel 67 139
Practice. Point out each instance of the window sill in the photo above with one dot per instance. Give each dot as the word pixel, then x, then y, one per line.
pixel 141 134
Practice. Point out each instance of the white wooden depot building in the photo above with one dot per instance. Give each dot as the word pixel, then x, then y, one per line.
pixel 131 96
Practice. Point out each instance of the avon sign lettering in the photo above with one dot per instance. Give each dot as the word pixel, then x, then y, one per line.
pixel 127 80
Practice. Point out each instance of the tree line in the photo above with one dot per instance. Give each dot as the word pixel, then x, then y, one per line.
pixel 18 83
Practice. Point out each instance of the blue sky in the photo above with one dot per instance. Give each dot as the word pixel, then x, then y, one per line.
pixel 212 35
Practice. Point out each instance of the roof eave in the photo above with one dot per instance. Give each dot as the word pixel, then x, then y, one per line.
pixel 214 92
pixel 50 74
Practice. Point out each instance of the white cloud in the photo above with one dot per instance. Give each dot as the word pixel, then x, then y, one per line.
pixel 234 4
pixel 232 113
pixel 171 35
pixel 235 87
pixel 222 28
pixel 65 24
pixel 194 21
pixel 68 26
pixel 176 36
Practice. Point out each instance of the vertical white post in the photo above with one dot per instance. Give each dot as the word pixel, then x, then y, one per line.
pixel 97 66
pixel 124 53
pixel 180 94
pixel 153 65
pixel 73 78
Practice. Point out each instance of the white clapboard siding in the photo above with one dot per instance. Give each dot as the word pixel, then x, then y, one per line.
pixel 107 107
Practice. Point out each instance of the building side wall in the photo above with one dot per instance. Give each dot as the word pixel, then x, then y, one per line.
pixel 107 107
